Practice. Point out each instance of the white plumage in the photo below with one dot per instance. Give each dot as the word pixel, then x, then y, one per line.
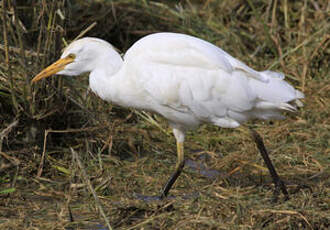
pixel 185 79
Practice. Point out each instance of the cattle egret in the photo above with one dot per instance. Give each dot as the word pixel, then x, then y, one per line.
pixel 187 80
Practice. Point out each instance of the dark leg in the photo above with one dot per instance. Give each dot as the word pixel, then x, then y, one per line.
pixel 279 184
pixel 178 169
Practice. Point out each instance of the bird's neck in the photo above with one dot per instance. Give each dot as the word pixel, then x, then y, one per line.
pixel 120 88
pixel 107 79
pixel 113 81
pixel 103 82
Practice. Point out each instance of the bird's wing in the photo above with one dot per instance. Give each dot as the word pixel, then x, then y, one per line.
pixel 190 75
pixel 185 50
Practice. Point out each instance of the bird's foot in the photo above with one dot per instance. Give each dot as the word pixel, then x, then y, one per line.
pixel 280 186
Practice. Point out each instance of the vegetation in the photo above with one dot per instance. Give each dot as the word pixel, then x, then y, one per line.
pixel 59 141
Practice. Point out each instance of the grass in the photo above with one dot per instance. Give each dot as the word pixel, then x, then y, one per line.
pixel 46 127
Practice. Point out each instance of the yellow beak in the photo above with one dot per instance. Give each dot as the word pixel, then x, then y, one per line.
pixel 53 68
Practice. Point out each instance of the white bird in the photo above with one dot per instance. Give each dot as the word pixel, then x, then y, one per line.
pixel 187 80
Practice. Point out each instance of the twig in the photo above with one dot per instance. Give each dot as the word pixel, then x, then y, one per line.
pixel 17 50
pixel 82 33
pixel 41 165
pixel 4 20
pixel 91 189
pixel 6 131
pixel 12 159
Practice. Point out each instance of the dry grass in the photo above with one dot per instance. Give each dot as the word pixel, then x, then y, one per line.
pixel 123 153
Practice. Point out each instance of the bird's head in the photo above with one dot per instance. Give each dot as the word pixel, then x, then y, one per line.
pixel 81 56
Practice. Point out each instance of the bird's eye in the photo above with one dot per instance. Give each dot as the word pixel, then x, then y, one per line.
pixel 72 56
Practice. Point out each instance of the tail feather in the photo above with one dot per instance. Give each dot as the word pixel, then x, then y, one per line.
pixel 299 95
pixel 274 96
pixel 271 105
